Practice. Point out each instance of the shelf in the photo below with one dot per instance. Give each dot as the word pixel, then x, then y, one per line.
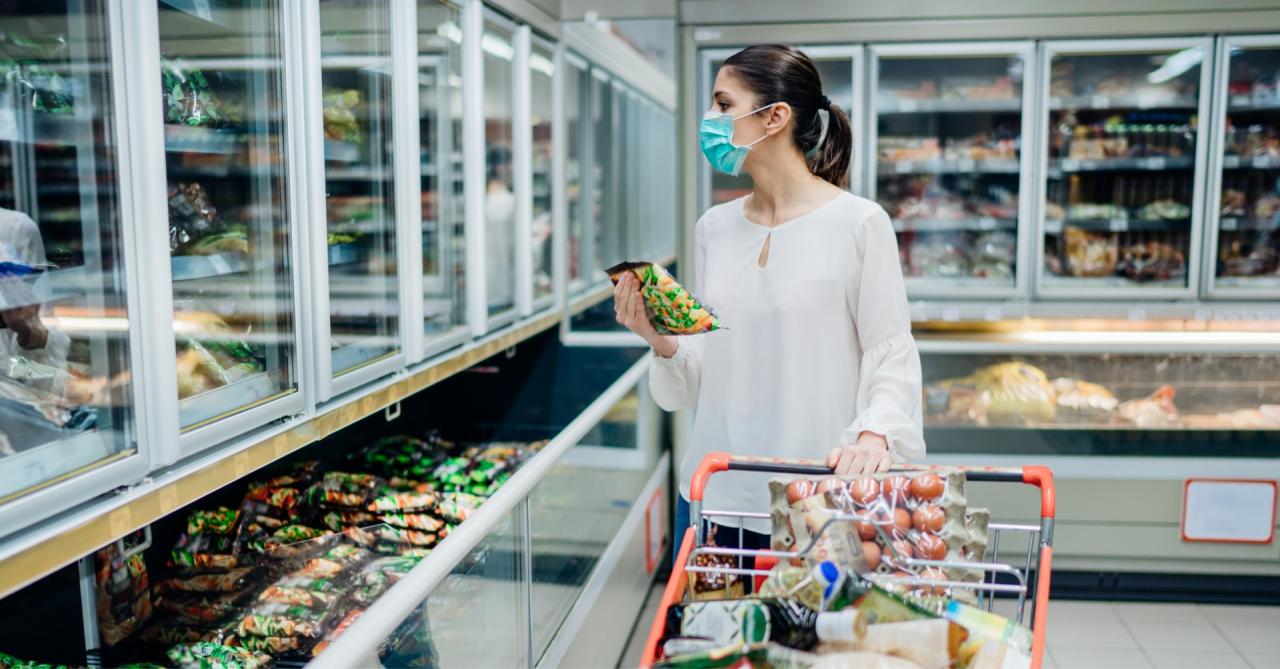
pixel 188 268
pixel 1263 282
pixel 1116 224
pixel 1244 103
pixel 1233 223
pixel 35 466
pixel 1122 102
pixel 357 174
pixel 963 166
pixel 1251 162
pixel 184 139
pixel 1100 284
pixel 929 313
pixel 1096 427
pixel 945 225
pixel 891 105
pixel 1151 164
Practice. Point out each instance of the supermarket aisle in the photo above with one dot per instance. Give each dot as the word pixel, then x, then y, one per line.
pixel 631 657
pixel 1128 635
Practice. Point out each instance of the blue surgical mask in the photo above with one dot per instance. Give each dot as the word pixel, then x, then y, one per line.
pixel 715 134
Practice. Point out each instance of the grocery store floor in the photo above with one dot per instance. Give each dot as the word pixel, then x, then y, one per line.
pixel 1129 635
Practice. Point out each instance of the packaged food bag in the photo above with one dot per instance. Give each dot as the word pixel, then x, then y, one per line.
pixel 123 594
pixel 672 309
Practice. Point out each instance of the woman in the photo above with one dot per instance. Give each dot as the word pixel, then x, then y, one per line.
pixel 816 358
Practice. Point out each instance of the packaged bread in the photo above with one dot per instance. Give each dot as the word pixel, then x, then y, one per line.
pixel 672 309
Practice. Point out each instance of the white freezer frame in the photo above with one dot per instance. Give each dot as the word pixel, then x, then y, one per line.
pixel 1212 206
pixel 1043 286
pixel 1025 50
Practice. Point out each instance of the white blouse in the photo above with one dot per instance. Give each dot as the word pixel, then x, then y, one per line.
pixel 815 349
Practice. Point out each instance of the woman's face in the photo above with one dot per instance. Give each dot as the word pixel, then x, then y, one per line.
pixel 730 96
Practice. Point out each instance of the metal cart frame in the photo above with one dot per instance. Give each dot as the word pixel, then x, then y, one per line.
pixel 1028 579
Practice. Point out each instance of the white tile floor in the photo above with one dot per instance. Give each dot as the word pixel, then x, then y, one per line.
pixel 1126 635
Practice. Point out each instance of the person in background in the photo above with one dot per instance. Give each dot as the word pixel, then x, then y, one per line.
pixel 23 290
pixel 816 359
pixel 499 222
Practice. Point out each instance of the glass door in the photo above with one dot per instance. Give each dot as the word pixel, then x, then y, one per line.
pixel 1244 209
pixel 65 392
pixel 440 134
pixel 840 69
pixel 542 71
pixel 355 67
pixel 950 169
pixel 1123 190
pixel 601 173
pixel 577 97
pixel 222 84
pixel 499 192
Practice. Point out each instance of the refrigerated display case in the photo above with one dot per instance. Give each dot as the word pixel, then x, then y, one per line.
pixel 578 210
pixel 67 414
pixel 601 175
pixel 841 71
pixel 359 184
pixel 542 73
pixel 440 136
pixel 499 198
pixel 222 83
pixel 1242 259
pixel 1123 165
pixel 951 169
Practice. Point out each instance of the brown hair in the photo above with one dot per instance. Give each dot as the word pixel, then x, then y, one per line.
pixel 779 73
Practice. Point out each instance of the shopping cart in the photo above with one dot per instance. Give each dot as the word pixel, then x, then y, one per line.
pixel 1029 584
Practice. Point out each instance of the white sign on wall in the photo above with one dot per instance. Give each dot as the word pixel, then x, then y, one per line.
pixel 1229 511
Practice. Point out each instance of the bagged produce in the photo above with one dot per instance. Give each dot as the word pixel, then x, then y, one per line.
pixel 671 308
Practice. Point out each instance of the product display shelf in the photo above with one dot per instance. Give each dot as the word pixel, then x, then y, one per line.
pixel 891 105
pixel 1109 102
pixel 938 225
pixel 1116 224
pixel 956 166
pixel 1152 163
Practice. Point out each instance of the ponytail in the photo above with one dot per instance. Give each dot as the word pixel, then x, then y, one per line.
pixel 778 73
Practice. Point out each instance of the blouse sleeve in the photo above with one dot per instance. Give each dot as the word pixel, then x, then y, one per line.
pixel 889 386
pixel 674 381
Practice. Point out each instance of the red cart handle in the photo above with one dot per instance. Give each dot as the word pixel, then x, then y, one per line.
pixel 1036 475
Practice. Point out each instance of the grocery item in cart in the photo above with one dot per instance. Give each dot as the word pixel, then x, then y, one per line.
pixel 716 584
pixel 672 309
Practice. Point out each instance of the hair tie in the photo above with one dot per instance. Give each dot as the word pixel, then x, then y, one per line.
pixel 824 117
pixel 825 103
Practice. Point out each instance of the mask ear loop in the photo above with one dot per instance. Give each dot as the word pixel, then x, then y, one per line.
pixel 824 117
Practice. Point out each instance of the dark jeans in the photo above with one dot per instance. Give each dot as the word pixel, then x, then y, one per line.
pixel 724 536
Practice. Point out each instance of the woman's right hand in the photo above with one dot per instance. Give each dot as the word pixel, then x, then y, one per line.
pixel 629 309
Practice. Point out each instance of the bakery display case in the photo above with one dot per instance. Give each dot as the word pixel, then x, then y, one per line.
pixel 225 145
pixel 841 70
pixel 440 137
pixel 1123 169
pixel 950 166
pixel 1243 258
pixel 359 184
pixel 66 392
pixel 499 196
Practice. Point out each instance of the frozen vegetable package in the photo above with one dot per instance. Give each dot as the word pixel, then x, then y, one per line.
pixel 672 309
pixel 123 593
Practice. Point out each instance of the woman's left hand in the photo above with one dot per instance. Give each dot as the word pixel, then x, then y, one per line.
pixel 869 455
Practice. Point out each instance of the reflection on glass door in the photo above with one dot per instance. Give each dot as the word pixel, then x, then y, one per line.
pixel 65 398
pixel 601 174
pixel 1247 256
pixel 440 131
pixel 948 170
pixel 499 195
pixel 1121 193
pixel 542 71
pixel 577 87
pixel 222 85
pixel 355 62
pixel 836 72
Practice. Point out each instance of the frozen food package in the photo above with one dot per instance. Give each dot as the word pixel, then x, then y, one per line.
pixel 234 580
pixel 206 655
pixel 123 593
pixel 672 309
pixel 337 631
pixel 198 609
pixel 282 620
pixel 403 502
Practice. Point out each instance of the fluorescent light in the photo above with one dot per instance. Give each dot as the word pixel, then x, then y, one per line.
pixel 497 47
pixel 540 63
pixel 450 31
pixel 1175 65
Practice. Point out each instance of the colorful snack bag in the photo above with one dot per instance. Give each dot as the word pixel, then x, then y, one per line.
pixel 268 645
pixel 672 309
pixel 217 521
pixel 337 631
pixel 339 521
pixel 308 583
pixel 379 575
pixel 403 502
pixel 169 633
pixel 230 581
pixel 455 507
pixel 280 620
pixel 203 611
pixel 293 596
pixel 123 599
pixel 414 521
pixel 206 655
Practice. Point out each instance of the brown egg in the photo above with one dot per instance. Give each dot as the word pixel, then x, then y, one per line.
pixel 871 551
pixel 902 574
pixel 927 488
pixel 865 491
pixel 902 548
pixel 800 489
pixel 901 522
pixel 929 518
pixel 934 574
pixel 830 483
pixel 930 547
pixel 866 531
pixel 894 489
